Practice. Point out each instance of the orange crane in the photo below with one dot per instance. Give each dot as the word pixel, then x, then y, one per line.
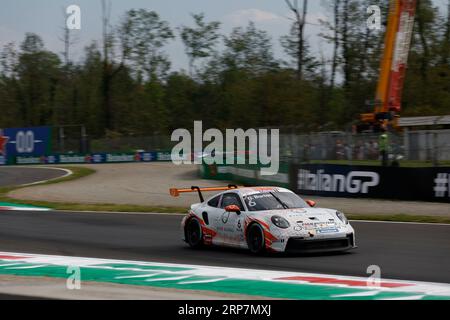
pixel 393 65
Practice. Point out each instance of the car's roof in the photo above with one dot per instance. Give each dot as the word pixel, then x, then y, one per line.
pixel 254 190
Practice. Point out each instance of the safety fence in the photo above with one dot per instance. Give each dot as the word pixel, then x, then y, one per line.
pixel 37 144
pixel 422 184
pixel 424 145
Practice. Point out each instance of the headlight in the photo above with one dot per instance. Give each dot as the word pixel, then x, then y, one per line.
pixel 280 222
pixel 341 217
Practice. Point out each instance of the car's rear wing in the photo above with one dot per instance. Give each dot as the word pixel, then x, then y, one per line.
pixel 174 192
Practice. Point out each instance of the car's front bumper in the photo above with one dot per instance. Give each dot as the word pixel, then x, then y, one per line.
pixel 302 245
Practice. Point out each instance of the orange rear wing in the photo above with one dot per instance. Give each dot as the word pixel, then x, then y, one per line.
pixel 174 192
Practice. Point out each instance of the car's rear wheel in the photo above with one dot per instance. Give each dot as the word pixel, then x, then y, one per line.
pixel 255 239
pixel 194 236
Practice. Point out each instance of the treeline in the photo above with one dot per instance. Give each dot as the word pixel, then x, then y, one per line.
pixel 124 84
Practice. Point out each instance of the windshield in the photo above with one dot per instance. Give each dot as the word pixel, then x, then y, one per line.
pixel 274 201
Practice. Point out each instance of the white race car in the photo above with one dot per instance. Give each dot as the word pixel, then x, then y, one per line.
pixel 264 219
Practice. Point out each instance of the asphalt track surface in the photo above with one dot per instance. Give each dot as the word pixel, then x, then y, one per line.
pixel 418 252
pixel 15 176
pixel 18 297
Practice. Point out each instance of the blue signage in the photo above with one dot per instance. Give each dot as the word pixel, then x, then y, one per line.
pixel 35 141
pixel 87 158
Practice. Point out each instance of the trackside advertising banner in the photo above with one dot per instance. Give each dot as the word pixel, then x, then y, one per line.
pixel 94 158
pixel 74 158
pixel 33 141
pixel 427 184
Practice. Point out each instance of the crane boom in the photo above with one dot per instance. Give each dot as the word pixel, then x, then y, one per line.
pixel 400 59
pixel 393 65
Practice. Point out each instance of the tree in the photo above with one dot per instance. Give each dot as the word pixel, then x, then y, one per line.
pixel 8 61
pixel 122 86
pixel 445 59
pixel 249 49
pixel 307 64
pixel 109 70
pixel 8 86
pixel 142 36
pixel 180 96
pixel 200 40
pixel 334 38
pixel 346 53
pixel 295 43
pixel 427 89
pixel 337 21
pixel 425 24
pixel 38 71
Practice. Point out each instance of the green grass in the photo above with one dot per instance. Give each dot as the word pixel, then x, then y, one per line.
pixel 403 163
pixel 399 218
pixel 77 173
pixel 101 207
pixel 80 172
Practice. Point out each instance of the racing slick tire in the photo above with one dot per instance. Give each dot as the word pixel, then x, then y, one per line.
pixel 255 239
pixel 194 236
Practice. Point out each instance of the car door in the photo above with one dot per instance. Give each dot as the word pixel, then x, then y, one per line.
pixel 211 215
pixel 231 223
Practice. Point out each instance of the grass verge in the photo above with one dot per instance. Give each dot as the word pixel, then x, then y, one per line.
pixel 399 218
pixel 77 173
pixel 80 172
pixel 100 207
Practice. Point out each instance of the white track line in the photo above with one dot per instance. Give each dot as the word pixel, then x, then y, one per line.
pixel 357 294
pixel 67 171
pixel 202 281
pixel 400 222
pixel 10 264
pixel 168 279
pixel 406 298
pixel 183 214
pixel 27 267
pixel 139 276
pixel 124 212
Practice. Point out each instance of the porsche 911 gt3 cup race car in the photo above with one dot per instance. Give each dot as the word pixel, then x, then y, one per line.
pixel 264 219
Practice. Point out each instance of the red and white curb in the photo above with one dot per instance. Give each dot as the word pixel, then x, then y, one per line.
pixel 418 289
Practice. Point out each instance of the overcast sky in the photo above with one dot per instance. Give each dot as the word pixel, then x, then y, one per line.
pixel 46 18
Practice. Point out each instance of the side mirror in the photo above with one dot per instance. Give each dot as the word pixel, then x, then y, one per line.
pixel 233 208
pixel 311 203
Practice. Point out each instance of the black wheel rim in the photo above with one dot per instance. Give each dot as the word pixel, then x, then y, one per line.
pixel 193 233
pixel 255 239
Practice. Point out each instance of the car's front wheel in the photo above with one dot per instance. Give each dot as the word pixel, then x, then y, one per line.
pixel 194 236
pixel 255 239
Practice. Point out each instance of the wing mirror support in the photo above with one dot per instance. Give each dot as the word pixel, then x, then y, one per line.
pixel 311 203
pixel 233 208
